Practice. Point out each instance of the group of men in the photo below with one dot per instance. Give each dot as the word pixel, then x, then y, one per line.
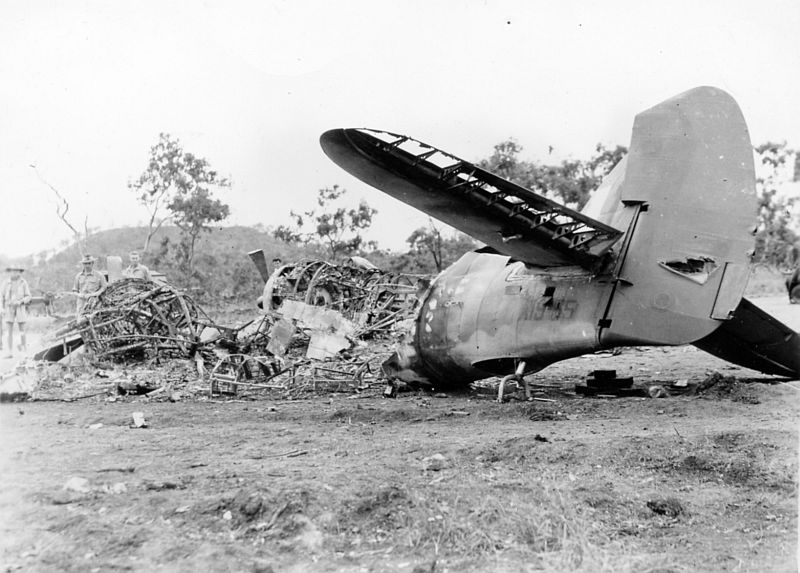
pixel 88 284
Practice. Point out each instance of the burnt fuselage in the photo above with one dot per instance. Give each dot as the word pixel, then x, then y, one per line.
pixel 486 313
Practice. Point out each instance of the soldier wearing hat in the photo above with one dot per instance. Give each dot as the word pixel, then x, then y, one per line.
pixel 16 294
pixel 89 283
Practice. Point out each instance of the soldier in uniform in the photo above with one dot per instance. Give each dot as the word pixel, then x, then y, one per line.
pixel 89 283
pixel 16 294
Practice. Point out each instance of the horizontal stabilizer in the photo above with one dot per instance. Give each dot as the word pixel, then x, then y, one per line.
pixel 509 218
pixel 755 339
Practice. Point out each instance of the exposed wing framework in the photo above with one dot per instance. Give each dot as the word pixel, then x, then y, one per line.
pixel 511 219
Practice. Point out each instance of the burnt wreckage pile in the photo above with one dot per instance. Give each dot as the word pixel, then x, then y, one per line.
pixel 135 317
pixel 373 299
pixel 315 312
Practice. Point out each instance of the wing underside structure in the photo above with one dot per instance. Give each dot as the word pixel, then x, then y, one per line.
pixel 754 339
pixel 511 219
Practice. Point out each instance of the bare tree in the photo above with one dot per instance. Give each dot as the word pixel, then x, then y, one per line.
pixel 62 208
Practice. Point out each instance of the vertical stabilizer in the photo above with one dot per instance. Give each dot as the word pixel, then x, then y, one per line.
pixel 686 195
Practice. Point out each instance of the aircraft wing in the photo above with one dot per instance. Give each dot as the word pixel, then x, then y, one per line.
pixel 756 340
pixel 507 217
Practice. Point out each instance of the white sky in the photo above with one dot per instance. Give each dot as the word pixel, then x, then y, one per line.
pixel 86 87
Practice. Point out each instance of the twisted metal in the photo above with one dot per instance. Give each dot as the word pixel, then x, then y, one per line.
pixel 136 317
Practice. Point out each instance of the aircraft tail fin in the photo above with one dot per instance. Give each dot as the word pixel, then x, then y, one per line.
pixel 686 196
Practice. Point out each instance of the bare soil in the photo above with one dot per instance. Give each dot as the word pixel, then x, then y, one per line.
pixel 420 483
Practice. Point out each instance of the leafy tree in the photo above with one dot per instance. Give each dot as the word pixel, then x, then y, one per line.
pixel 193 212
pixel 429 241
pixel 776 237
pixel 338 229
pixel 178 183
pixel 287 234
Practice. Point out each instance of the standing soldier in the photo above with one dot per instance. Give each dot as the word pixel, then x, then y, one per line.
pixel 16 294
pixel 89 283
pixel 136 270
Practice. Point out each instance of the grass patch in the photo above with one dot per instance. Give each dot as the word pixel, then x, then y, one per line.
pixel 540 522
pixel 729 457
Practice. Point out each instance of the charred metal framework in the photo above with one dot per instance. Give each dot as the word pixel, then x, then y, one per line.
pixel 373 299
pixel 138 316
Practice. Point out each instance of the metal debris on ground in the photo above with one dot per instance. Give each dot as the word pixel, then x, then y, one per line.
pixel 605 383
pixel 309 339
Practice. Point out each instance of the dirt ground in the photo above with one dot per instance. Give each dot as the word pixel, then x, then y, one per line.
pixel 419 483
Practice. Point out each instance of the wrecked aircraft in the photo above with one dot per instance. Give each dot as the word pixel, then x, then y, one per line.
pixel 660 255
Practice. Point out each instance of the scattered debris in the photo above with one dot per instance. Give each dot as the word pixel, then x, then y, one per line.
pixel 719 386
pixel 604 384
pixel 669 506
pixel 162 485
pixel 17 385
pixel 435 463
pixel 117 488
pixel 77 484
pixel 125 470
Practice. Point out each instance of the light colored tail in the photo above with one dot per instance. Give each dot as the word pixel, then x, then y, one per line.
pixel 685 195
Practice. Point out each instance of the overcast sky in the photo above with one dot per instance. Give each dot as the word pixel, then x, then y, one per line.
pixel 86 87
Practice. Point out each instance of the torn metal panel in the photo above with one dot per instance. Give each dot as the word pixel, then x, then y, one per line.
pixel 316 317
pixel 696 269
pixel 326 345
pixel 280 336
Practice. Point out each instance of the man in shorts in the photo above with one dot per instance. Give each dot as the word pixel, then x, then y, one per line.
pixel 16 294
pixel 89 283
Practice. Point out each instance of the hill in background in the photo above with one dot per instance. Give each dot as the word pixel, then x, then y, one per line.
pixel 225 272
pixel 221 258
